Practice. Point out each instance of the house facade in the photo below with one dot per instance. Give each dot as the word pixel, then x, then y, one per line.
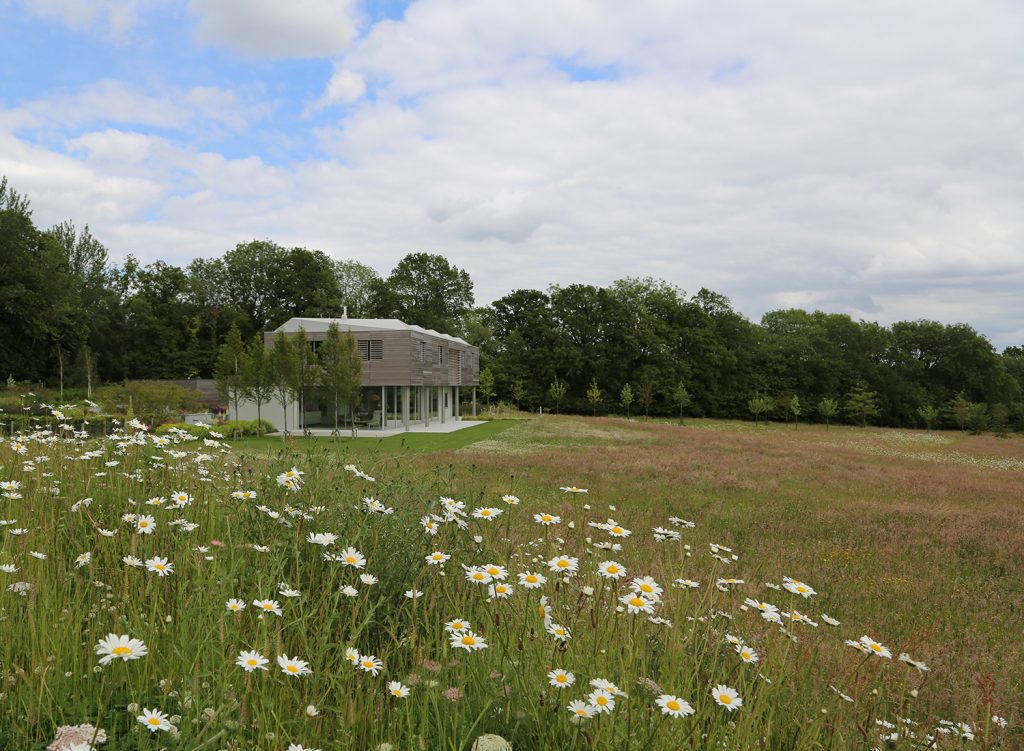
pixel 411 376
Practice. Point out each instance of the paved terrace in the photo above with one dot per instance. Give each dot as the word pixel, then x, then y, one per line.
pixel 435 427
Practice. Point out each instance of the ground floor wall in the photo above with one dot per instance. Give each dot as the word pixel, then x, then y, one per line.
pixel 378 407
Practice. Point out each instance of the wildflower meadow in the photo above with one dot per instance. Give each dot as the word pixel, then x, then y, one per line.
pixel 177 592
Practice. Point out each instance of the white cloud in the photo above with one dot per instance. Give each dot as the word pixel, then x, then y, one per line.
pixel 118 16
pixel 276 29
pixel 861 158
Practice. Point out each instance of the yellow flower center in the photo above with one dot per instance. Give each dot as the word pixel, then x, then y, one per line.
pixel 154 720
pixel 531 579
pixel 613 569
pixel 292 669
pixel 350 559
pixel 267 606
pixel 121 651
pixel 617 530
pixel 478 576
pixel 877 647
pixel 673 705
pixel 546 517
pixel 725 698
pixel 468 640
pixel 646 588
pixel 563 564
pixel 561 678
pixel 602 700
pixel 252 662
pixel 581 712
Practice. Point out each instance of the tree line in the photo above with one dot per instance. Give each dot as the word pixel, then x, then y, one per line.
pixel 71 317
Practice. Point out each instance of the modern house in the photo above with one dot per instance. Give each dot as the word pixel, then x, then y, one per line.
pixel 412 377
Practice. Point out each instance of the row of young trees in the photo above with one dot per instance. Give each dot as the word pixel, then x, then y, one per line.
pixel 289 370
pixel 69 316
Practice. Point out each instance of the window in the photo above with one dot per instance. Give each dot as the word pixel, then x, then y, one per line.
pixel 371 349
pixel 458 370
pixel 440 354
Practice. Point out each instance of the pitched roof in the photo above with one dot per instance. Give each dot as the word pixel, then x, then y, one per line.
pixel 320 325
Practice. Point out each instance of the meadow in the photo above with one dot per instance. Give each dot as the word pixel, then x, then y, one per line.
pixel 560 582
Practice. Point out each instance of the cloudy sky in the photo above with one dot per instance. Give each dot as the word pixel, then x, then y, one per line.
pixel 861 157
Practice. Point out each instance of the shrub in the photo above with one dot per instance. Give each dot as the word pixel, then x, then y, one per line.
pixel 227 429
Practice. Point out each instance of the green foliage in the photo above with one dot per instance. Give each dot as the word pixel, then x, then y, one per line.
pixel 283 373
pixel 681 398
pixel 557 391
pixel 760 404
pixel 232 370
pixel 978 419
pixel 518 392
pixel 233 429
pixel 152 402
pixel 959 410
pixel 486 386
pixel 626 397
pixel 342 369
pixel 929 415
pixel 594 395
pixel 427 290
pixel 862 403
pixel 796 409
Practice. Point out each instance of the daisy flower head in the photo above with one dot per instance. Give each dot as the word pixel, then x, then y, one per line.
pixel 456 625
pixel 500 590
pixel 250 661
pixel 495 571
pixel 530 580
pixel 580 710
pixel 352 557
pixel 268 606
pixel 904 657
pixel 153 720
pixel 858 646
pixel 873 647
pixel 397 689
pixel 352 655
pixel 646 586
pixel 561 633
pixel 797 587
pixel 370 664
pixel 829 619
pixel 468 641
pixel 487 513
pixel 511 500
pixel 322 538
pixel 605 685
pixel 437 558
pixel 477 575
pixel 673 706
pixel 601 700
pixel 637 603
pixel 560 678
pixel 727 697
pixel 564 564
pixel 572 489
pixel 611 570
pixel 181 498
pixel 145 524
pixel 747 654
pixel 131 560
pixel 160 566
pixel 235 605
pixel 293 666
pixel 83 560
pixel 113 646
pixel 547 519
pixel 429 525
pixel 616 530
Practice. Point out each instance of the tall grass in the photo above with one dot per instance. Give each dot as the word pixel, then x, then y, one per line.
pixel 807 690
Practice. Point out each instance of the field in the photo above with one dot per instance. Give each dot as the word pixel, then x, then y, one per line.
pixel 913 539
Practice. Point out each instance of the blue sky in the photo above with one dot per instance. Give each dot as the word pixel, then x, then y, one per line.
pixel 860 158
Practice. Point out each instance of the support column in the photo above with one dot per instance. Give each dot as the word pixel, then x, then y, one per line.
pixel 405 407
pixel 456 407
pixel 383 407
pixel 442 402
pixel 474 401
pixel 425 393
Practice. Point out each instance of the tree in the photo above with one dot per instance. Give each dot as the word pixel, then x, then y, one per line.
pixel 681 398
pixel 594 395
pixel 794 407
pixel 518 391
pixel 557 391
pixel 645 391
pixel 342 371
pixel 426 290
pixel 959 409
pixel 230 371
pixel 282 365
pixel 928 415
pixel 356 285
pixel 828 408
pixel 862 403
pixel 259 377
pixel 307 371
pixel 486 386
pixel 626 397
pixel 758 405
pixel 978 418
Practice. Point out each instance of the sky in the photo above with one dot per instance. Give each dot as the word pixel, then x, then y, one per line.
pixel 854 157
